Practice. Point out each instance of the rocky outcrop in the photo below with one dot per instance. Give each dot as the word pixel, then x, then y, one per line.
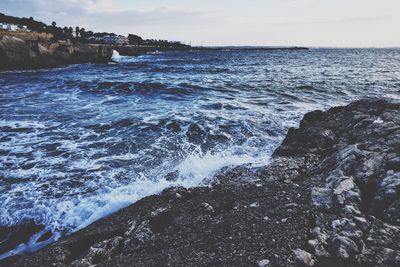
pixel 19 54
pixel 329 197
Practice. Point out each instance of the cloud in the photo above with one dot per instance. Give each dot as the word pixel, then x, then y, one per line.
pixel 109 15
pixel 229 22
pixel 58 6
pixel 103 12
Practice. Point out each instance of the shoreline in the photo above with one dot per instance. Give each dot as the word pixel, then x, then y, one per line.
pixel 344 159
pixel 19 54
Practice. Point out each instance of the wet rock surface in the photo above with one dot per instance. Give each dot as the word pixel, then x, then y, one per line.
pixel 329 197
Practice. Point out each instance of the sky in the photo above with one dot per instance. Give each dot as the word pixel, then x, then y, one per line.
pixel 315 23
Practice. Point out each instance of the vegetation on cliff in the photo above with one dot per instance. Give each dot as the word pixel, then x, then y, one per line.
pixel 80 34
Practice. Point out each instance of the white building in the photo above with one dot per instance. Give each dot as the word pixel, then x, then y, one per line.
pixel 24 29
pixel 13 27
pixel 115 39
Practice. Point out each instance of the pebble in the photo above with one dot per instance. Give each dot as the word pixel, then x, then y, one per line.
pixel 264 263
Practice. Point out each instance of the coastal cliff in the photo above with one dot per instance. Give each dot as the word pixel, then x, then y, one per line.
pixel 329 197
pixel 16 53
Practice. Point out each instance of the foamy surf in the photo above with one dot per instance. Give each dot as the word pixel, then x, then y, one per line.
pixel 116 57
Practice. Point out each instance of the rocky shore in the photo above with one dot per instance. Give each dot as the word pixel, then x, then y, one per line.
pixel 16 53
pixel 329 197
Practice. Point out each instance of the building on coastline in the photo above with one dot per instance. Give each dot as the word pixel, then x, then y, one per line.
pixel 96 39
pixel 24 29
pixel 115 39
pixel 12 27
pixel 109 39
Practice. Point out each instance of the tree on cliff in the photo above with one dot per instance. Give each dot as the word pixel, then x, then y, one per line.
pixel 71 32
pixel 68 32
pixel 82 32
pixel 134 39
pixel 89 34
pixel 54 24
pixel 77 29
pixel 29 22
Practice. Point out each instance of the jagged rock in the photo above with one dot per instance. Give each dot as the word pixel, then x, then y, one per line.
pixel 392 213
pixel 207 207
pixel 304 257
pixel 370 168
pixel 321 197
pixel 195 134
pixel 143 232
pixel 393 162
pixel 389 257
pixel 388 188
pixel 99 252
pixel 344 247
pixel 343 188
pixel 362 223
pixel 319 243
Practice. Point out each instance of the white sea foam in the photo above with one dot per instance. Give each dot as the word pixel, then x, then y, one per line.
pixel 46 201
pixel 122 59
pixel 199 167
pixel 116 56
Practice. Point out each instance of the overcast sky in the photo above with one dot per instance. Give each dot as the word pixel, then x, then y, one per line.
pixel 333 23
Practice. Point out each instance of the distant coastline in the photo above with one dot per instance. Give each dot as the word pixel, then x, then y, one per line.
pixel 28 44
pixel 17 52
pixel 249 48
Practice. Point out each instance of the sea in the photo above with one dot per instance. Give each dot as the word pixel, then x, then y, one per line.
pixel 80 142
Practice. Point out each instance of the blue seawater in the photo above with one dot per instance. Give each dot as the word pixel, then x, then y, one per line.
pixel 80 142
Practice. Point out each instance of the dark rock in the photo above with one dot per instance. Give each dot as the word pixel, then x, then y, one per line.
pixel 321 197
pixel 393 162
pixel 392 213
pixel 388 188
pixel 172 176
pixel 195 134
pixel 174 127
pixel 303 257
pixel 344 247
pixel 45 236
